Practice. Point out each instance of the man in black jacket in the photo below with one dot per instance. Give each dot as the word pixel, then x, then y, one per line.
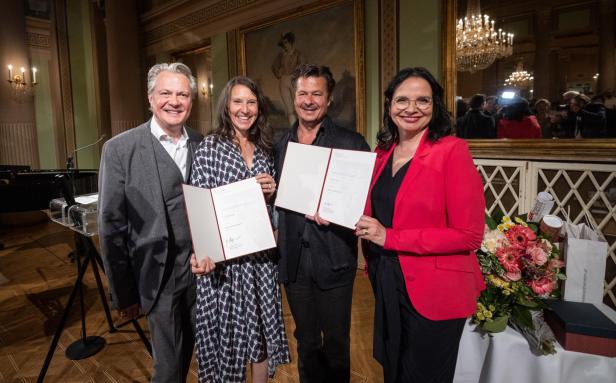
pixel 590 119
pixel 318 261
pixel 475 123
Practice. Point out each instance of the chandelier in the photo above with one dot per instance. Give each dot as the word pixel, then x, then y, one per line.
pixel 478 44
pixel 519 78
pixel 21 90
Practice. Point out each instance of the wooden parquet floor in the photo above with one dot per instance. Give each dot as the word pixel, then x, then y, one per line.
pixel 36 277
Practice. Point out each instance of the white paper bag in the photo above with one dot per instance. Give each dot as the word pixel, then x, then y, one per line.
pixel 585 267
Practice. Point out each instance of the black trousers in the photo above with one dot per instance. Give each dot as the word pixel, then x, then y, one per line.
pixel 323 323
pixel 410 347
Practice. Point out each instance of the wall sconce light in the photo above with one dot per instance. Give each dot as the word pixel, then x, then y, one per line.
pixel 205 90
pixel 21 89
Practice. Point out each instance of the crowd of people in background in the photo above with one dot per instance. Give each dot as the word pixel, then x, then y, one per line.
pixel 575 115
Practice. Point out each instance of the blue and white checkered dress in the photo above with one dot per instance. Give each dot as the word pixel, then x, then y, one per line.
pixel 239 310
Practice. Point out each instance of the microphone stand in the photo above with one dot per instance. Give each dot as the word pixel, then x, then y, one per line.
pixel 87 345
pixel 70 173
pixel 84 247
pixel 70 163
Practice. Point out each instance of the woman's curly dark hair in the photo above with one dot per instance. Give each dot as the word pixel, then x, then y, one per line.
pixel 440 124
pixel 517 110
pixel 259 133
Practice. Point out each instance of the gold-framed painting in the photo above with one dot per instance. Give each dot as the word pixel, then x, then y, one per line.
pixel 329 33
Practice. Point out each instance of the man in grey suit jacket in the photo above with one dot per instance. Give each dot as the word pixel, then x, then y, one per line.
pixel 143 229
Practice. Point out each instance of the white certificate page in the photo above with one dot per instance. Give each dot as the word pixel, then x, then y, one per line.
pixel 243 221
pixel 302 177
pixel 203 223
pixel 346 186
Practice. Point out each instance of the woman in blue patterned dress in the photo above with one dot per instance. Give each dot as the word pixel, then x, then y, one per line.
pixel 239 311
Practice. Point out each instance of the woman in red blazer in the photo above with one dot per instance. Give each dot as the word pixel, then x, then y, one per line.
pixel 424 219
pixel 518 121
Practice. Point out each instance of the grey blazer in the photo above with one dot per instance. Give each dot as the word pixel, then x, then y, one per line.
pixel 132 220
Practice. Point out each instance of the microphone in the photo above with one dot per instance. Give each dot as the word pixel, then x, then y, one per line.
pixel 71 155
pixel 102 137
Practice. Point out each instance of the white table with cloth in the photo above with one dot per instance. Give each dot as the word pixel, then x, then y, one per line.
pixel 506 357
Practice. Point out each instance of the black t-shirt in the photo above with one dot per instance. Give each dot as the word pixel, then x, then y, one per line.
pixel 383 199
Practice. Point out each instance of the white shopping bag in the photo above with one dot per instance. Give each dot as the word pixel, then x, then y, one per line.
pixel 585 255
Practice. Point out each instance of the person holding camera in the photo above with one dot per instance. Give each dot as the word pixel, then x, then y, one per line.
pixel 590 121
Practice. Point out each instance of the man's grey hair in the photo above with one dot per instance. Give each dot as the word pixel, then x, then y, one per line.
pixel 176 67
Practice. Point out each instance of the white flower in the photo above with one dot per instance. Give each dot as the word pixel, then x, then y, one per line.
pixel 493 240
pixel 546 245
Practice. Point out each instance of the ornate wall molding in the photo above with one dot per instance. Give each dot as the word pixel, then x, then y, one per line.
pixel 38 32
pixel 448 62
pixel 204 15
pixel 182 25
pixel 587 150
pixel 37 40
pixel 388 41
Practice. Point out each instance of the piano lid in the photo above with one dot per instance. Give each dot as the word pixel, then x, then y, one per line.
pixel 25 190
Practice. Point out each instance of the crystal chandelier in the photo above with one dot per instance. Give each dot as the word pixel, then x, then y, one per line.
pixel 478 44
pixel 519 78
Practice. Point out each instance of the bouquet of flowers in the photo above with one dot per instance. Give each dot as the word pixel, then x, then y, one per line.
pixel 521 269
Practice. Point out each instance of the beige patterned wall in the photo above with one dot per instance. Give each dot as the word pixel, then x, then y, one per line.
pixel 18 144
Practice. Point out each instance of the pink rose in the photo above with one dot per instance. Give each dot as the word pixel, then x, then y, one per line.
pixel 513 275
pixel 542 286
pixel 555 264
pixel 520 236
pixel 509 258
pixel 537 254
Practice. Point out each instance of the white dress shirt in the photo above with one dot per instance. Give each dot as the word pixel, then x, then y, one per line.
pixel 177 150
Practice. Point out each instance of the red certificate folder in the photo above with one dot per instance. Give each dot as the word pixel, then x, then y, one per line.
pixel 229 221
pixel 331 182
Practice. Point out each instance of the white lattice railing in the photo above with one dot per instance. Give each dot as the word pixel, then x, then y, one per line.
pixel 579 190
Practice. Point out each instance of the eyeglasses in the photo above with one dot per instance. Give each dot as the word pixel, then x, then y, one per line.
pixel 421 103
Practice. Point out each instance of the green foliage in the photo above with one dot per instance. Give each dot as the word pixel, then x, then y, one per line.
pixel 522 316
pixel 498 324
pixel 491 222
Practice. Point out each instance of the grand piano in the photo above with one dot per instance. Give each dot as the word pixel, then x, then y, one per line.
pixel 24 189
